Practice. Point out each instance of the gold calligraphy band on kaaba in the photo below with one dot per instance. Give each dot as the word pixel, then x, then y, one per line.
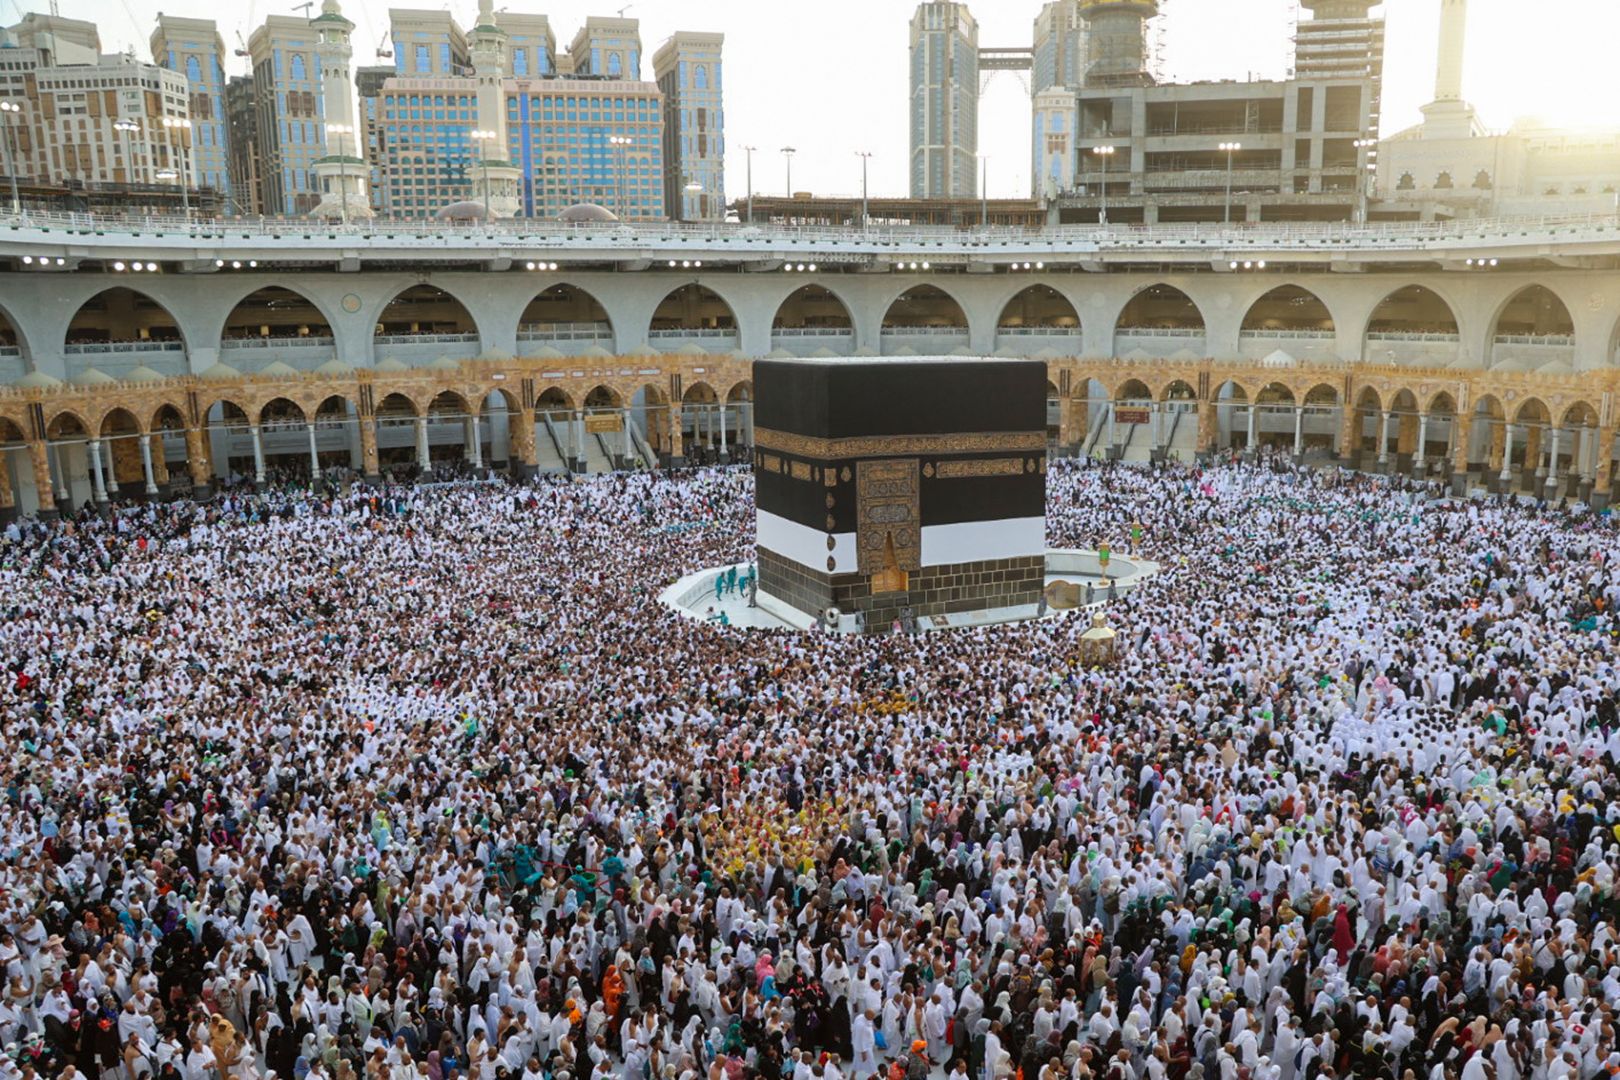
pixel 862 446
pixel 955 470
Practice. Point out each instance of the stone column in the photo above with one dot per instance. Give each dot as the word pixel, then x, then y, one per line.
pixel 258 454
pixel 1299 431
pixel 1110 434
pixel 1153 426
pixel 146 464
pixel 1507 454
pixel 1603 474
pixel 1420 454
pixel 160 461
pixel 98 490
pixel 1552 461
pixel 677 444
pixel 39 457
pixel 477 441
pixel 1460 433
pixel 1209 427
pixel 523 442
pixel 423 458
pixel 63 492
pixel 1254 429
pixel 720 418
pixel 314 454
pixel 197 463
pixel 109 466
pixel 368 447
pixel 629 438
pixel 8 497
pixel 577 442
pixel 1349 433
pixel 1532 452
pixel 1383 436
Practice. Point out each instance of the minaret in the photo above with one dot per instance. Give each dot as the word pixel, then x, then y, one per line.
pixel 343 171
pixel 1116 41
pixel 1448 116
pixel 1448 74
pixel 495 178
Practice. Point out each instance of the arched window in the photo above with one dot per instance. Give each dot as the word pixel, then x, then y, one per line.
pixel 615 66
pixel 193 69
pixel 298 69
pixel 1482 181
pixel 1407 183
pixel 1443 181
pixel 700 79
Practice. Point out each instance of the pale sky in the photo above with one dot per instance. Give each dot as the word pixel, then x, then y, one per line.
pixel 830 77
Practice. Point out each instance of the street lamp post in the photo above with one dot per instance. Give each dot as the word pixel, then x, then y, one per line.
pixel 1366 176
pixel 8 109
pixel 126 128
pixel 749 151
pixel 1103 154
pixel 788 152
pixel 182 170
pixel 341 130
pixel 865 156
pixel 619 143
pixel 1229 148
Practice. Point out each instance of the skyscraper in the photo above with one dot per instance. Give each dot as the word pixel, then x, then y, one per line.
pixel 427 44
pixel 944 101
pixel 608 48
pixel 688 70
pixel 290 121
pixel 1060 46
pixel 246 166
pixel 194 48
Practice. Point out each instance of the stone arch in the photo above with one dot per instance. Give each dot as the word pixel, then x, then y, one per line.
pixel 395 405
pixel 280 412
pixel 564 310
pixel 422 310
pixel 693 307
pixel 1038 306
pixel 1440 403
pixel 1132 389
pixel 104 318
pixel 554 399
pixel 699 393
pixel 1532 410
pixel 448 404
pixel 1579 413
pixel 813 306
pixel 1324 395
pixel 1178 390
pixel 69 422
pixel 1275 393
pixel 1160 306
pixel 924 307
pixel 274 311
pixel 123 423
pixel 602 396
pixel 1534 310
pixel 1406 321
pixel 742 390
pixel 167 416
pixel 1288 309
pixel 12 335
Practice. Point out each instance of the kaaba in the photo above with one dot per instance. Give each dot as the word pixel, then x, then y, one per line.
pixel 894 486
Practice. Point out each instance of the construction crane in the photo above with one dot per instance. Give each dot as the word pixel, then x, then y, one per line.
pixel 241 46
pixel 624 9
pixel 383 50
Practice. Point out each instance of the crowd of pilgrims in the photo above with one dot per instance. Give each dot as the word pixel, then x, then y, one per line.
pixel 404 784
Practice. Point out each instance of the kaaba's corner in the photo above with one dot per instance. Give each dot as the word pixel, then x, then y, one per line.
pixel 887 485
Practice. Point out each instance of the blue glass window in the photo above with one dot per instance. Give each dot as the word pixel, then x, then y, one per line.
pixel 193 69
pixel 444 57
pixel 423 63
pixel 298 71
pixel 700 80
pixel 520 61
